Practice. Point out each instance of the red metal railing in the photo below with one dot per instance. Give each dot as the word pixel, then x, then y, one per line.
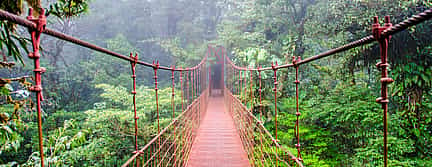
pixel 259 144
pixel 171 146
pixel 381 34
pixel 175 140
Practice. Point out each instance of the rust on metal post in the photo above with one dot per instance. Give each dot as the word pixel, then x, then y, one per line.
pixel 38 70
pixel 383 42
pixel 133 65
pixel 297 125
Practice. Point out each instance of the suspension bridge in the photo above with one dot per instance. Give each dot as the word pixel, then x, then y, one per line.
pixel 216 127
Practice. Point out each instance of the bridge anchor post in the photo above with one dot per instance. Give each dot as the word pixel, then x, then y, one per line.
pixel 383 41
pixel 38 70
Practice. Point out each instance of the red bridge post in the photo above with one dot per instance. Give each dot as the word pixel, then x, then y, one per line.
pixel 181 88
pixel 187 87
pixel 182 110
pixel 232 85
pixel 133 65
pixel 35 55
pixel 173 113
pixel 198 93
pixel 193 85
pixel 275 101
pixel 297 125
pixel 239 83
pixel 260 112
pixel 155 68
pixel 222 75
pixel 251 101
pixel 244 86
pixel 385 80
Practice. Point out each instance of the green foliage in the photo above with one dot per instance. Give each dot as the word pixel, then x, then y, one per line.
pixel 349 113
pixel 11 43
pixel 68 8
pixel 108 132
pixel 119 97
pixel 398 149
pixel 340 124
pixel 61 140
pixel 411 76
pixel 413 84
pixel 10 139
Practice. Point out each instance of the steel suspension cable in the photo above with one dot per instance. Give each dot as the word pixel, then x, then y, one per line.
pixel 32 25
pixel 37 26
pixel 380 34
pixel 414 20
